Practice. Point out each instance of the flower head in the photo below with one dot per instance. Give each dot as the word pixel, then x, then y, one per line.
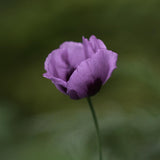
pixel 80 69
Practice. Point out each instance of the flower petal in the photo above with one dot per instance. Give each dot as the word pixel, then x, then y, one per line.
pixel 96 43
pixel 59 83
pixel 75 53
pixel 112 63
pixel 60 63
pixel 87 48
pixel 89 76
pixel 55 65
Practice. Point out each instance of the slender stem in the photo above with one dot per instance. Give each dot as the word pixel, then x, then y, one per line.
pixel 97 127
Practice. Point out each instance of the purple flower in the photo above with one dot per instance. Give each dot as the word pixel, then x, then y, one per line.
pixel 80 69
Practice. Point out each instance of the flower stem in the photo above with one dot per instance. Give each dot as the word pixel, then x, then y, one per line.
pixel 96 126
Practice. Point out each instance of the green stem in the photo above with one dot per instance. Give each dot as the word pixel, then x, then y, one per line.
pixel 97 127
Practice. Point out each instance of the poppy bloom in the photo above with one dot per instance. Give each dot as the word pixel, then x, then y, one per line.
pixel 80 69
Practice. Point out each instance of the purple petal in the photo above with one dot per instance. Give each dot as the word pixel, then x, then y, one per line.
pixel 96 43
pixel 111 63
pixel 59 83
pixel 87 48
pixel 75 53
pixel 55 65
pixel 60 63
pixel 89 76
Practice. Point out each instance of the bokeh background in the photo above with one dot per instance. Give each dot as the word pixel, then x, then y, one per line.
pixel 38 122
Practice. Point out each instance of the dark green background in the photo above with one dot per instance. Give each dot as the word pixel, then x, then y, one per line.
pixel 37 122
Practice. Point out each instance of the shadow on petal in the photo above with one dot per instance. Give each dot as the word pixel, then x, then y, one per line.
pixel 94 87
pixel 73 94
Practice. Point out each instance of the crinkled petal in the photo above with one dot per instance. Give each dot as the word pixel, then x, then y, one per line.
pixel 55 65
pixel 75 53
pixel 87 48
pixel 89 76
pixel 111 63
pixel 96 43
pixel 61 62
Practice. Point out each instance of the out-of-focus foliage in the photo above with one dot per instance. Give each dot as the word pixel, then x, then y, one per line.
pixel 37 122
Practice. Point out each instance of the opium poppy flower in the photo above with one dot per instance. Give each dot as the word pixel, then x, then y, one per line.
pixel 80 69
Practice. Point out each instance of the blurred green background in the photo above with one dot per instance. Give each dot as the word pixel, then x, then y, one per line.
pixel 38 122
